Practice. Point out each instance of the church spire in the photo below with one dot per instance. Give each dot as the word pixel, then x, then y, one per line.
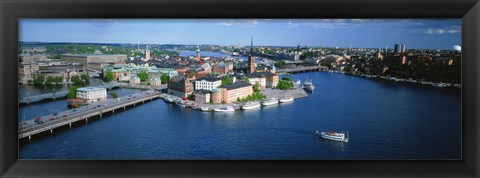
pixel 251 45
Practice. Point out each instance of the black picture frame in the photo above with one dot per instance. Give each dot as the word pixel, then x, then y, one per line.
pixel 11 11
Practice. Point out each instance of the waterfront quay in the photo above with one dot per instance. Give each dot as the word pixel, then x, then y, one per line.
pixel 297 92
pixel 50 122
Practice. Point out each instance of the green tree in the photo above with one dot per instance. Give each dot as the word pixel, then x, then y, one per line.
pixel 143 76
pixel 114 94
pixel 246 80
pixel 76 79
pixel 226 80
pixel 287 78
pixel 49 80
pixel 39 79
pixel 284 85
pixel 280 64
pixel 256 87
pixel 72 92
pixel 109 76
pixel 85 78
pixel 58 79
pixel 164 78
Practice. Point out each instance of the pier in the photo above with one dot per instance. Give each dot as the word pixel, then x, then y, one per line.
pixel 50 122
pixel 302 69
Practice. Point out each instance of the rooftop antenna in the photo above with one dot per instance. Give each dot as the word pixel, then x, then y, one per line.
pixel 350 47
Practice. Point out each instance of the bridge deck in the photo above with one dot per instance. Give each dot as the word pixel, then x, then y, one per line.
pixel 113 105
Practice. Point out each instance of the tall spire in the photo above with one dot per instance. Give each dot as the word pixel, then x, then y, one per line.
pixel 251 45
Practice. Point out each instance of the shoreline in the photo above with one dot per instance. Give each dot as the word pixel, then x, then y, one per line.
pixel 296 92
pixel 409 80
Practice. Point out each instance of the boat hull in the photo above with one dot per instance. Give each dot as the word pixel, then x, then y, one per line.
pixel 269 103
pixel 250 107
pixel 286 100
pixel 325 135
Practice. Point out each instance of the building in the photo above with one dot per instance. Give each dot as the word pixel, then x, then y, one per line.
pixel 399 48
pixel 147 54
pixel 84 60
pixel 251 59
pixel 207 68
pixel 271 80
pixel 223 68
pixel 202 96
pixel 92 94
pixel 33 49
pixel 239 90
pixel 155 82
pixel 207 83
pixel 180 86
pixel 293 56
pixel 26 72
pixel 134 80
pixel 197 56
pixel 258 78
pixel 216 96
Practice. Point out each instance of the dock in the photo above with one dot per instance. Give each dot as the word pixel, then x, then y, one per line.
pixel 297 93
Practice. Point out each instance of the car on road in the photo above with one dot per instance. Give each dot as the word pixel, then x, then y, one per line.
pixel 55 114
pixel 65 115
pixel 51 119
pixel 74 110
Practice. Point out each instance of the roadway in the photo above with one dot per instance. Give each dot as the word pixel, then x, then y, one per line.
pixel 84 112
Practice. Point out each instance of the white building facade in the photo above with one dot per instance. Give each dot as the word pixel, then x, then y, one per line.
pixel 92 94
pixel 207 84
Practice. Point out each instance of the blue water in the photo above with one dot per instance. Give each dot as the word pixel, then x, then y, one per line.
pixel 385 120
pixel 185 53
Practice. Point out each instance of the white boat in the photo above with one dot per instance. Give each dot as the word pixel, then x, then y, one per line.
pixel 250 105
pixel 309 86
pixel 205 109
pixel 225 109
pixel 286 99
pixel 270 101
pixel 337 136
pixel 298 82
pixel 440 85
pixel 181 103
pixel 168 99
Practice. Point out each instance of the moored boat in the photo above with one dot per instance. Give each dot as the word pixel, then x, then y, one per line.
pixel 225 109
pixel 336 136
pixel 205 109
pixel 181 103
pixel 168 100
pixel 286 99
pixel 250 105
pixel 270 101
pixel 308 85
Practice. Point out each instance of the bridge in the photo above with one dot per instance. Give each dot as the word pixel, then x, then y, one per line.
pixel 93 72
pixel 62 94
pixel 302 69
pixel 51 122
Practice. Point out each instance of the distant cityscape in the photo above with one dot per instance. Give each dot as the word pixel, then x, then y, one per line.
pixel 204 77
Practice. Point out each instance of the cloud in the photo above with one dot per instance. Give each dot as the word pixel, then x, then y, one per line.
pixel 439 31
pixel 101 23
pixel 247 23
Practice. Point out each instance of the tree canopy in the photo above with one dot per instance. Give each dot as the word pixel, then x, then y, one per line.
pixel 143 76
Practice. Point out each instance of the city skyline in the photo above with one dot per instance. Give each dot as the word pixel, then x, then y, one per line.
pixel 357 33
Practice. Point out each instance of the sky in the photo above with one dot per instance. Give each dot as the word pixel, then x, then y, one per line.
pixel 358 33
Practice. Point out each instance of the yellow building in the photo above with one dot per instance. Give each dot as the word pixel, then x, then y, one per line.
pixel 232 92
